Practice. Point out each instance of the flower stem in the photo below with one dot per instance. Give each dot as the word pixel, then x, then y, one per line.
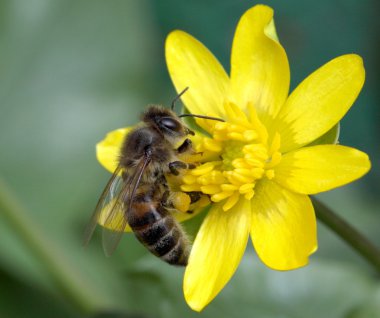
pixel 63 274
pixel 349 234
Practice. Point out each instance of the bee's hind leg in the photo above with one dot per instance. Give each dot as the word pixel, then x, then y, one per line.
pixel 176 201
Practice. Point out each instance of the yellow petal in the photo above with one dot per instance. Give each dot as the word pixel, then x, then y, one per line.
pixel 216 253
pixel 107 150
pixel 259 65
pixel 320 101
pixel 320 168
pixel 192 65
pixel 283 226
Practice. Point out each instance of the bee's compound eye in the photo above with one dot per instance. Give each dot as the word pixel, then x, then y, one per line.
pixel 170 123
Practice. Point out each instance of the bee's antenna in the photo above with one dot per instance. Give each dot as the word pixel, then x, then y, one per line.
pixel 191 115
pixel 201 116
pixel 178 97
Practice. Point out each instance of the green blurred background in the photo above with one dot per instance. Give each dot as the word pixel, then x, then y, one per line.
pixel 72 70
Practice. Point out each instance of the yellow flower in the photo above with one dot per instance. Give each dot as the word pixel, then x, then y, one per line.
pixel 260 165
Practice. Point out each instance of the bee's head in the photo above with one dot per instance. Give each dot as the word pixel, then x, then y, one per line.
pixel 166 121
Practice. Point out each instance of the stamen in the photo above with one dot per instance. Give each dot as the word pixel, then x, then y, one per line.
pixel 228 187
pixel 238 178
pixel 254 162
pixel 210 189
pixel 205 168
pixel 242 155
pixel 231 201
pixel 214 177
pixel 241 163
pixel 235 136
pixel 221 196
pixel 246 188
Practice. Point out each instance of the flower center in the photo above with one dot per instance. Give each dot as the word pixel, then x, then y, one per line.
pixel 234 159
pixel 232 149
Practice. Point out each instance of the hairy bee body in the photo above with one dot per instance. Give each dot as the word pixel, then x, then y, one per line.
pixel 147 214
pixel 139 192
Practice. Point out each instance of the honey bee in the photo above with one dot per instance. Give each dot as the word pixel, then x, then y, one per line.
pixel 138 189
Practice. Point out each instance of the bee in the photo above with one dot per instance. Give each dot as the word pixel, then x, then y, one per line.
pixel 138 190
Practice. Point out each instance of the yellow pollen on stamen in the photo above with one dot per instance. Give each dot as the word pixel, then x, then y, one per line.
pixel 228 187
pixel 213 177
pixel 253 162
pixel 243 154
pixel 245 188
pixel 210 189
pixel 231 201
pixel 238 178
pixel 221 196
pixel 203 169
pixel 240 163
pixel 235 136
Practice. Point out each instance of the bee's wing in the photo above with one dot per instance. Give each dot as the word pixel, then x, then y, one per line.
pixel 114 225
pixel 112 190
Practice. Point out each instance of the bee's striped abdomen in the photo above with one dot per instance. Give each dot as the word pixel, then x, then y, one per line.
pixel 157 229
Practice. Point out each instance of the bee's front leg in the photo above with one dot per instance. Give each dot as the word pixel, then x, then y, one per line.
pixel 185 147
pixel 175 165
